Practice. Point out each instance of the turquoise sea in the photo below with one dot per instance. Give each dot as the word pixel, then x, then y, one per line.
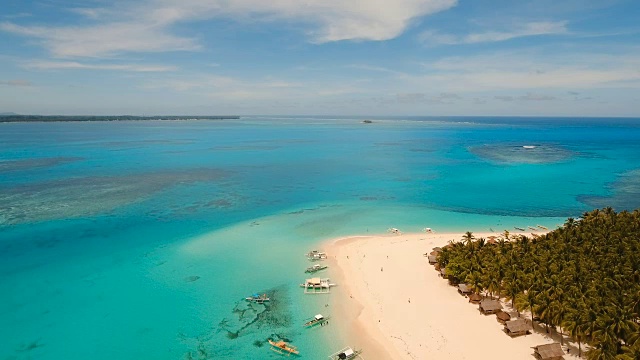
pixel 140 240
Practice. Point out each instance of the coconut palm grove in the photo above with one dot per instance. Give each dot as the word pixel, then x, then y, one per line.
pixel 581 280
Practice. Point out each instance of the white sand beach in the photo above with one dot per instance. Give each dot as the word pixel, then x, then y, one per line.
pixel 392 304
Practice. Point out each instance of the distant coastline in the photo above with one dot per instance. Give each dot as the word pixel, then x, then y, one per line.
pixel 64 118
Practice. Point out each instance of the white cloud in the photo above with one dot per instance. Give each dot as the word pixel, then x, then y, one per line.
pixel 146 27
pixel 62 65
pixel 522 30
pixel 103 40
pixel 92 13
pixel 530 70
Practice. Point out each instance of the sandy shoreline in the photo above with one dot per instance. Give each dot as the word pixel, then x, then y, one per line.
pixel 392 304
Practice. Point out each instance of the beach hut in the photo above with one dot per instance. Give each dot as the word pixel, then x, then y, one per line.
pixel 475 298
pixel 490 306
pixel 443 273
pixel 491 240
pixel 548 352
pixel 502 317
pixel 516 327
pixel 432 259
pixel 463 289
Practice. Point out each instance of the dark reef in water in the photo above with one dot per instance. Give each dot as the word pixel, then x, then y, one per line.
pixel 91 195
pixel 34 163
pixel 625 193
pixel 248 322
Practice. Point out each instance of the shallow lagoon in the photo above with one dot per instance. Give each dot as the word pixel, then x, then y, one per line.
pixel 140 240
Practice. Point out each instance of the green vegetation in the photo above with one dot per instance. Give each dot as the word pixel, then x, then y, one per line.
pixel 582 279
pixel 55 118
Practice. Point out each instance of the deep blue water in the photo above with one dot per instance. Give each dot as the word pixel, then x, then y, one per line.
pixel 135 240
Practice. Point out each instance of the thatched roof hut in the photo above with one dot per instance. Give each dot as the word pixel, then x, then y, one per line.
pixel 437 249
pixel 475 298
pixel 490 306
pixel 437 267
pixel 502 317
pixel 548 352
pixel 443 272
pixel 432 259
pixel 517 327
pixel 463 289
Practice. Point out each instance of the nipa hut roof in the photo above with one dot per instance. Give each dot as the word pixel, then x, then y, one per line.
pixel 464 288
pixel 549 351
pixel 443 271
pixel 518 325
pixel 503 316
pixel 490 305
pixel 475 297
pixel 432 258
pixel 437 248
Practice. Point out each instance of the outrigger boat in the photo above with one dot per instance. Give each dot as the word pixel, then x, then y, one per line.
pixel 346 354
pixel 315 255
pixel 283 348
pixel 519 228
pixel 542 227
pixel 317 286
pixel 532 228
pixel 315 268
pixel 260 299
pixel 318 319
pixel 394 231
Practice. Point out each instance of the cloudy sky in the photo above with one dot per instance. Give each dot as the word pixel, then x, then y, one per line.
pixel 349 57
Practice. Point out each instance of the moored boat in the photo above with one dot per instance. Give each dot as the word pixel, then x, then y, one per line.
pixel 318 319
pixel 317 286
pixel 283 347
pixel 315 255
pixel 542 227
pixel 256 298
pixel 346 354
pixel 519 228
pixel 315 268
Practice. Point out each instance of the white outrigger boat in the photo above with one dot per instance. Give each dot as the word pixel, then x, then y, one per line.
pixel 259 299
pixel 542 227
pixel 316 255
pixel 347 354
pixel 317 286
pixel 394 231
pixel 315 268
pixel 318 319
pixel 532 228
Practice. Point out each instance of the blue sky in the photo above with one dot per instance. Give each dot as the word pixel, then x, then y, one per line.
pixel 347 57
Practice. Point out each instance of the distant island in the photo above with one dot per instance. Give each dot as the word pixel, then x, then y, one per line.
pixel 11 117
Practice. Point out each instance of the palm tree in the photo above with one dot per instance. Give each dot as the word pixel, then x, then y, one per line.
pixel 468 238
pixel 527 300
pixel 474 280
pixel 575 324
